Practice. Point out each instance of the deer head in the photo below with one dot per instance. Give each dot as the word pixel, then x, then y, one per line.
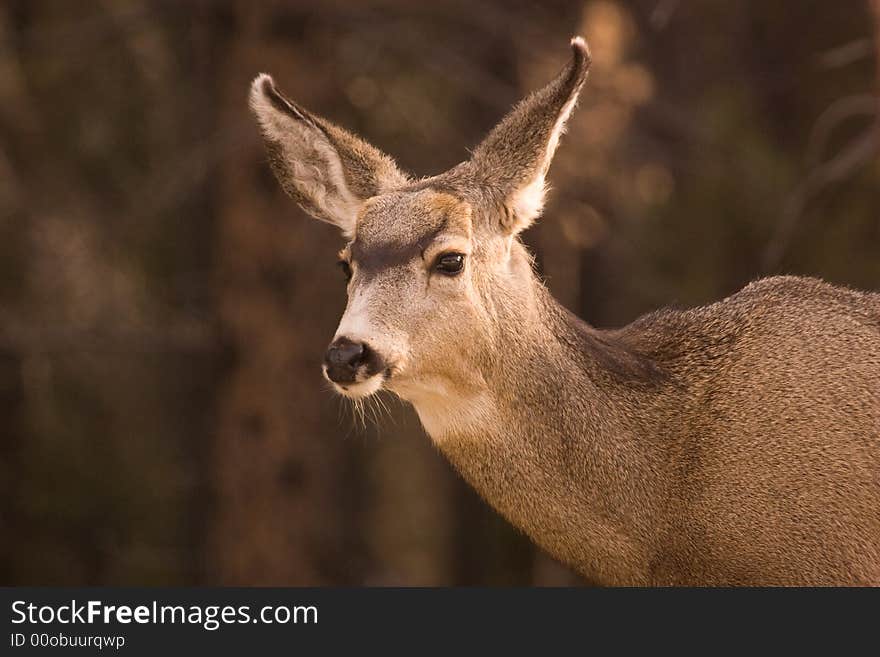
pixel 437 276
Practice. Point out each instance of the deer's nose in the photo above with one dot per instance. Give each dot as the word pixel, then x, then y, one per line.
pixel 343 359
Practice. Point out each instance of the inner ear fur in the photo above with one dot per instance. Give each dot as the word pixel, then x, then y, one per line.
pixel 328 171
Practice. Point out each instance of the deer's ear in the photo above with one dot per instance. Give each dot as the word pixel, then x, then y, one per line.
pixel 514 158
pixel 324 168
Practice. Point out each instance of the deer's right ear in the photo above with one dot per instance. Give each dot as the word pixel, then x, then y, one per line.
pixel 324 168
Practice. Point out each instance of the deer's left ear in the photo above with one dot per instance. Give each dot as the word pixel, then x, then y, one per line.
pixel 514 158
pixel 327 170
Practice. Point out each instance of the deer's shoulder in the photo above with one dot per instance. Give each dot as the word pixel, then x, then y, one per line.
pixel 795 304
pixel 778 306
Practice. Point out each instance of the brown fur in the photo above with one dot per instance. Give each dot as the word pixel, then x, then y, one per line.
pixel 737 443
pixel 747 452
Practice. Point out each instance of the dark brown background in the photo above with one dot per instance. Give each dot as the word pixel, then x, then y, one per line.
pixel 163 309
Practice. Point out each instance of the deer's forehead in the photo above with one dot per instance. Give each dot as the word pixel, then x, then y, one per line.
pixel 394 228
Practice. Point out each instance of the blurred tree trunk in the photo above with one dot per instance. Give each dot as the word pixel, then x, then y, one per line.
pixel 875 6
pixel 408 512
pixel 278 517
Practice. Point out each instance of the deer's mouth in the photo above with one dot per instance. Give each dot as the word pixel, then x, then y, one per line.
pixel 364 382
pixel 361 389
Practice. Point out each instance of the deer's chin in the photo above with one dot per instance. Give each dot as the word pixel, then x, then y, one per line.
pixel 361 389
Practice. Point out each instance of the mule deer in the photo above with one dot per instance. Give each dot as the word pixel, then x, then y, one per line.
pixel 737 443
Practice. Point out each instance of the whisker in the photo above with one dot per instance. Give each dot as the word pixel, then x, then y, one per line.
pixel 371 407
pixel 350 423
pixel 359 406
pixel 380 401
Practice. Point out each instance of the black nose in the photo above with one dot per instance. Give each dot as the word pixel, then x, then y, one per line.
pixel 343 359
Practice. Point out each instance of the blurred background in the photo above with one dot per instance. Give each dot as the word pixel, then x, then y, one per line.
pixel 164 308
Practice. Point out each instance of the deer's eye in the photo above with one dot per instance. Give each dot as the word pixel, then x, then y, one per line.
pixel 346 269
pixel 449 264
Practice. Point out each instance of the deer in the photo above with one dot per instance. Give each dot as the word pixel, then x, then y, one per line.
pixel 737 443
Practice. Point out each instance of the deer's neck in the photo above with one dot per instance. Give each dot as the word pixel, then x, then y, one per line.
pixel 558 436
